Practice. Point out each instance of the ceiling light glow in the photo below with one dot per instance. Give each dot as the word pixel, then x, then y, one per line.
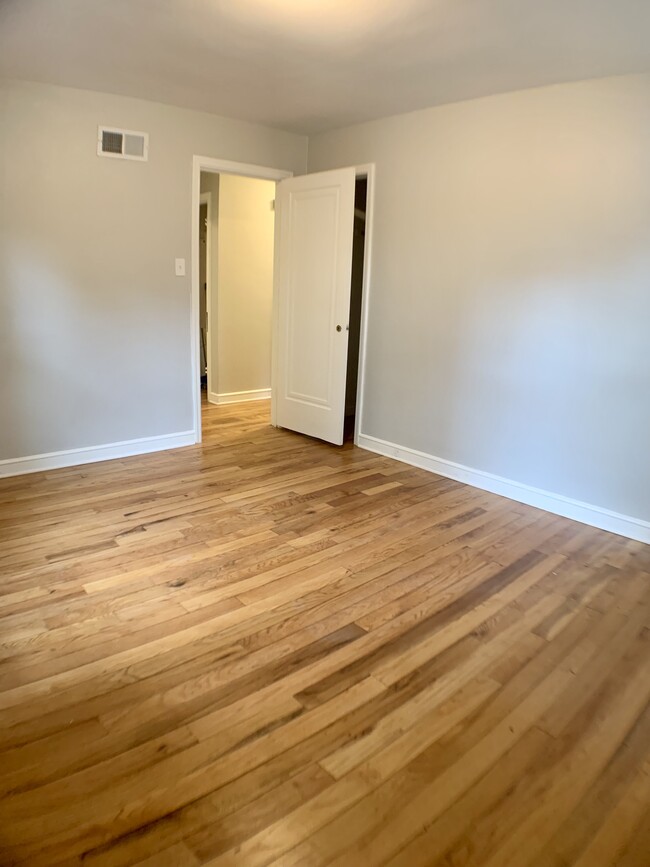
pixel 319 18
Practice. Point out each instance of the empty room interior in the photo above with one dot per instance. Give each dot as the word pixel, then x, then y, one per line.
pixel 324 433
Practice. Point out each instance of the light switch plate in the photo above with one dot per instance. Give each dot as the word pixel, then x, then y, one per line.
pixel 180 267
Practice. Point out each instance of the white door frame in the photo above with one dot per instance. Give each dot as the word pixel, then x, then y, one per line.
pixel 364 171
pixel 206 199
pixel 222 167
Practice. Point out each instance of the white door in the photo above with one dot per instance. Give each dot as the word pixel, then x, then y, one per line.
pixel 315 224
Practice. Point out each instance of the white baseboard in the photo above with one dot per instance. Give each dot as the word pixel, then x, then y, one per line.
pixel 595 516
pixel 92 454
pixel 239 396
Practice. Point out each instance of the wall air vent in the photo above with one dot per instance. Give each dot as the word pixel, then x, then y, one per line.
pixel 123 144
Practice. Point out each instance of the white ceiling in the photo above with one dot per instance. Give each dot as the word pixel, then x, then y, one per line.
pixel 309 65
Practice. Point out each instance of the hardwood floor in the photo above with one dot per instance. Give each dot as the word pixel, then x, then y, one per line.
pixel 266 650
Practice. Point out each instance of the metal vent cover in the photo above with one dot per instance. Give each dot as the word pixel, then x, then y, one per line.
pixel 122 144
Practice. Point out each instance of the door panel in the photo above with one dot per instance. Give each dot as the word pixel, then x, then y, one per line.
pixel 315 221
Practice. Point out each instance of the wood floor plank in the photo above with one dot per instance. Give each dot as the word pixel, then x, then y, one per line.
pixel 265 649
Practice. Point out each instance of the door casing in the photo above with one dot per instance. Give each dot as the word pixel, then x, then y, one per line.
pixel 225 167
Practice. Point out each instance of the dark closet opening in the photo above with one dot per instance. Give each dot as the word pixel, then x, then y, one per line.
pixel 354 320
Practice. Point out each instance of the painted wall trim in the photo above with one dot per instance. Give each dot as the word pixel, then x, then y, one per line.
pixel 239 396
pixel 92 454
pixel 557 504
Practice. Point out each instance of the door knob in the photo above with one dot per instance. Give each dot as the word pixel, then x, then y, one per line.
pixel 338 327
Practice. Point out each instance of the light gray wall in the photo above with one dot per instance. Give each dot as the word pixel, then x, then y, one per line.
pixel 243 285
pixel 94 326
pixel 510 311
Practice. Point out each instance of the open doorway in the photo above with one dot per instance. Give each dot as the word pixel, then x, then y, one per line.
pixel 317 286
pixel 236 238
pixel 207 173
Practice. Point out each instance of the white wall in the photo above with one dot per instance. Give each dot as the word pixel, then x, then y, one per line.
pixel 242 284
pixel 510 311
pixel 94 326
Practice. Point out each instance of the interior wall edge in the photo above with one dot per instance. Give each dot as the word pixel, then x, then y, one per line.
pixel 557 504
pixel 239 396
pixel 94 454
pixel 88 288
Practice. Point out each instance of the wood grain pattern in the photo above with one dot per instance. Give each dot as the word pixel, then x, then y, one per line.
pixel 266 650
